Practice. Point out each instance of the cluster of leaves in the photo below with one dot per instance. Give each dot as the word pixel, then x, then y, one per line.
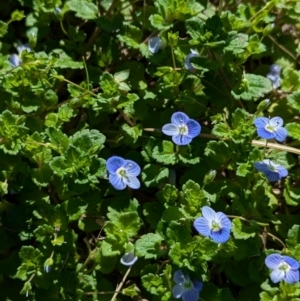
pixel 90 89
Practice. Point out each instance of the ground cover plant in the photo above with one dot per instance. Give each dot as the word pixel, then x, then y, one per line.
pixel 149 150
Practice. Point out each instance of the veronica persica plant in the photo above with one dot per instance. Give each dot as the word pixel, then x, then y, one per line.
pixel 270 128
pixel 187 64
pixel 283 268
pixel 123 173
pixel 216 225
pixel 185 288
pixel 273 172
pixel 182 128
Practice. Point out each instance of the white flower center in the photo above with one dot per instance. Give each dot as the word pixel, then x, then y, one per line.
pixel 188 285
pixel 272 168
pixel 215 226
pixel 270 128
pixel 122 172
pixel 183 129
pixel 284 267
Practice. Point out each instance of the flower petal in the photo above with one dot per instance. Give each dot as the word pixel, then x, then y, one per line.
pixel 221 236
pixel 201 224
pixel 292 276
pixel 275 69
pixel 179 277
pixel 273 261
pixel 281 134
pixel 224 220
pixel 194 128
pixel 261 122
pixel 260 166
pixel 187 63
pixel 197 285
pixel 132 182
pixel 177 291
pixel 272 176
pixel 208 213
pixel 116 182
pixel 170 129
pixel 293 263
pixel 132 168
pixel 128 259
pixel 276 122
pixel 277 275
pixel 179 118
pixel 190 295
pixel 282 171
pixel 263 133
pixel 181 139
pixel 154 44
pixel 14 60
pixel 114 163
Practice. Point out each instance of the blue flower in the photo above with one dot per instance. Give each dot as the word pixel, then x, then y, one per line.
pixel 188 65
pixel 283 268
pixel 273 172
pixel 182 128
pixel 123 172
pixel 270 128
pixel 15 59
pixel 216 225
pixel 155 44
pixel 274 75
pixel 185 288
pixel 275 69
pixel 128 259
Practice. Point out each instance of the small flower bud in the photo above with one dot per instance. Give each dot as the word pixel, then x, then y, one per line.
pixel 155 44
pixel 263 105
pixel 209 177
pixel 47 265
pixel 128 259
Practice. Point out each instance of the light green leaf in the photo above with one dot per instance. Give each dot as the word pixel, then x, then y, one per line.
pixel 83 9
pixel 252 87
pixel 148 246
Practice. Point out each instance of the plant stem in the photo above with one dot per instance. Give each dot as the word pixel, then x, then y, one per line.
pixel 121 284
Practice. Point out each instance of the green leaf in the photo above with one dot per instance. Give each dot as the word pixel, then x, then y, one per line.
pixel 83 9
pixel 293 130
pixel 173 38
pixel 124 224
pixel 148 246
pixel 153 175
pixel 291 193
pixel 293 237
pixel 12 132
pixel 221 130
pixel 58 241
pixel 158 22
pixel 193 198
pixel 3 28
pixel 241 231
pixel 294 100
pixel 152 212
pixel 41 176
pixel 237 43
pixel 252 87
pixel 17 15
pixel 291 80
pixel 121 76
pixel 168 195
